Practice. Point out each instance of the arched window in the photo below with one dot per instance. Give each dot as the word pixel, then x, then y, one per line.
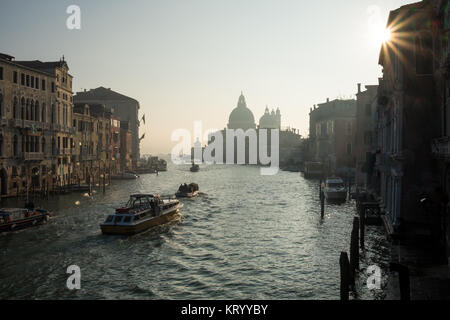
pixel 32 110
pixel 43 145
pixel 2 113
pixel 23 106
pixel 15 108
pixel 44 113
pixel 53 113
pixel 15 146
pixel 53 146
pixel 36 111
pixel 27 143
pixel 27 109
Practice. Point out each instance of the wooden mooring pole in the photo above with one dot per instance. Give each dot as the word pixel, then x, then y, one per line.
pixel 362 226
pixel 322 204
pixel 404 281
pixel 345 276
pixel 354 250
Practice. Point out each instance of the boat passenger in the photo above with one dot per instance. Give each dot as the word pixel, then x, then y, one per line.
pixel 29 205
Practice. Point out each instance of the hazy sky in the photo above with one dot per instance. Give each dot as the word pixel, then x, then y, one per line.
pixel 188 60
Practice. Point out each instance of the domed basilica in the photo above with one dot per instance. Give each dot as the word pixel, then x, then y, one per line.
pixel 242 118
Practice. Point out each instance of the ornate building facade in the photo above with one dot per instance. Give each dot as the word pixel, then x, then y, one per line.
pixel 123 107
pixel 36 134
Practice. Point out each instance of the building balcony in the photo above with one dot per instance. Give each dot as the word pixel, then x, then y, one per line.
pixel 33 156
pixel 88 157
pixel 441 148
pixel 31 124
pixel 16 123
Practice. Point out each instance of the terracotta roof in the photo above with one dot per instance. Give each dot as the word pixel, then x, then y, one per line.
pixel 45 66
pixel 101 93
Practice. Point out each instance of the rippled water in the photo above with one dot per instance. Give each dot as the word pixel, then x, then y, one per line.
pixel 246 237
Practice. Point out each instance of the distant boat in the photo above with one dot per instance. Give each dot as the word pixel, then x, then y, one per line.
pixel 142 212
pixel 335 189
pixel 187 191
pixel 162 165
pixel 145 170
pixel 12 219
pixel 195 168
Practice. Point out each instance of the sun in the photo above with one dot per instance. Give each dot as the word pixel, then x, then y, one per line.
pixel 385 35
pixel 382 35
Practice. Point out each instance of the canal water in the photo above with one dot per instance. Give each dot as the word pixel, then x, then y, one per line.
pixel 246 237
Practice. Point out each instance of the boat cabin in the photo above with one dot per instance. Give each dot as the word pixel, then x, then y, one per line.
pixel 335 183
pixel 13 214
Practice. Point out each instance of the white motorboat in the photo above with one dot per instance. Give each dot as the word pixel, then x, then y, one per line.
pixel 334 189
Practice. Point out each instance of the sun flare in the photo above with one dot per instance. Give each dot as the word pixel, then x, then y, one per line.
pixel 382 35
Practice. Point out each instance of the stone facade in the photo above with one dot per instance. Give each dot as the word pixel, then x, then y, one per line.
pixel 126 146
pixel 333 133
pixel 121 106
pixel 36 135
pixel 93 155
pixel 365 108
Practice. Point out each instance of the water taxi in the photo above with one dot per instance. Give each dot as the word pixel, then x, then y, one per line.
pixel 12 219
pixel 187 191
pixel 334 189
pixel 142 211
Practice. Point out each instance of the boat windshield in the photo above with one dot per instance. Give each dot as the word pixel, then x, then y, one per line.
pixel 335 185
pixel 137 202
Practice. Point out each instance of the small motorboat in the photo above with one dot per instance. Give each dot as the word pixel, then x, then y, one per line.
pixel 162 165
pixel 142 212
pixel 195 167
pixel 334 189
pixel 187 191
pixel 12 219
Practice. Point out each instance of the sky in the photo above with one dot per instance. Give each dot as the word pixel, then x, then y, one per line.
pixel 189 60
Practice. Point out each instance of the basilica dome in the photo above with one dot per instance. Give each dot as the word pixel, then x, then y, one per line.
pixel 270 120
pixel 241 117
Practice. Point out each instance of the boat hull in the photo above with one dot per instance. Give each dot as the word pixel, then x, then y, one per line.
pixel 24 223
pixel 336 196
pixel 186 194
pixel 139 227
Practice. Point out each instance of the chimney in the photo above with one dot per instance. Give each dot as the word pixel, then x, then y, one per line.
pixel 328 100
pixel 359 87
